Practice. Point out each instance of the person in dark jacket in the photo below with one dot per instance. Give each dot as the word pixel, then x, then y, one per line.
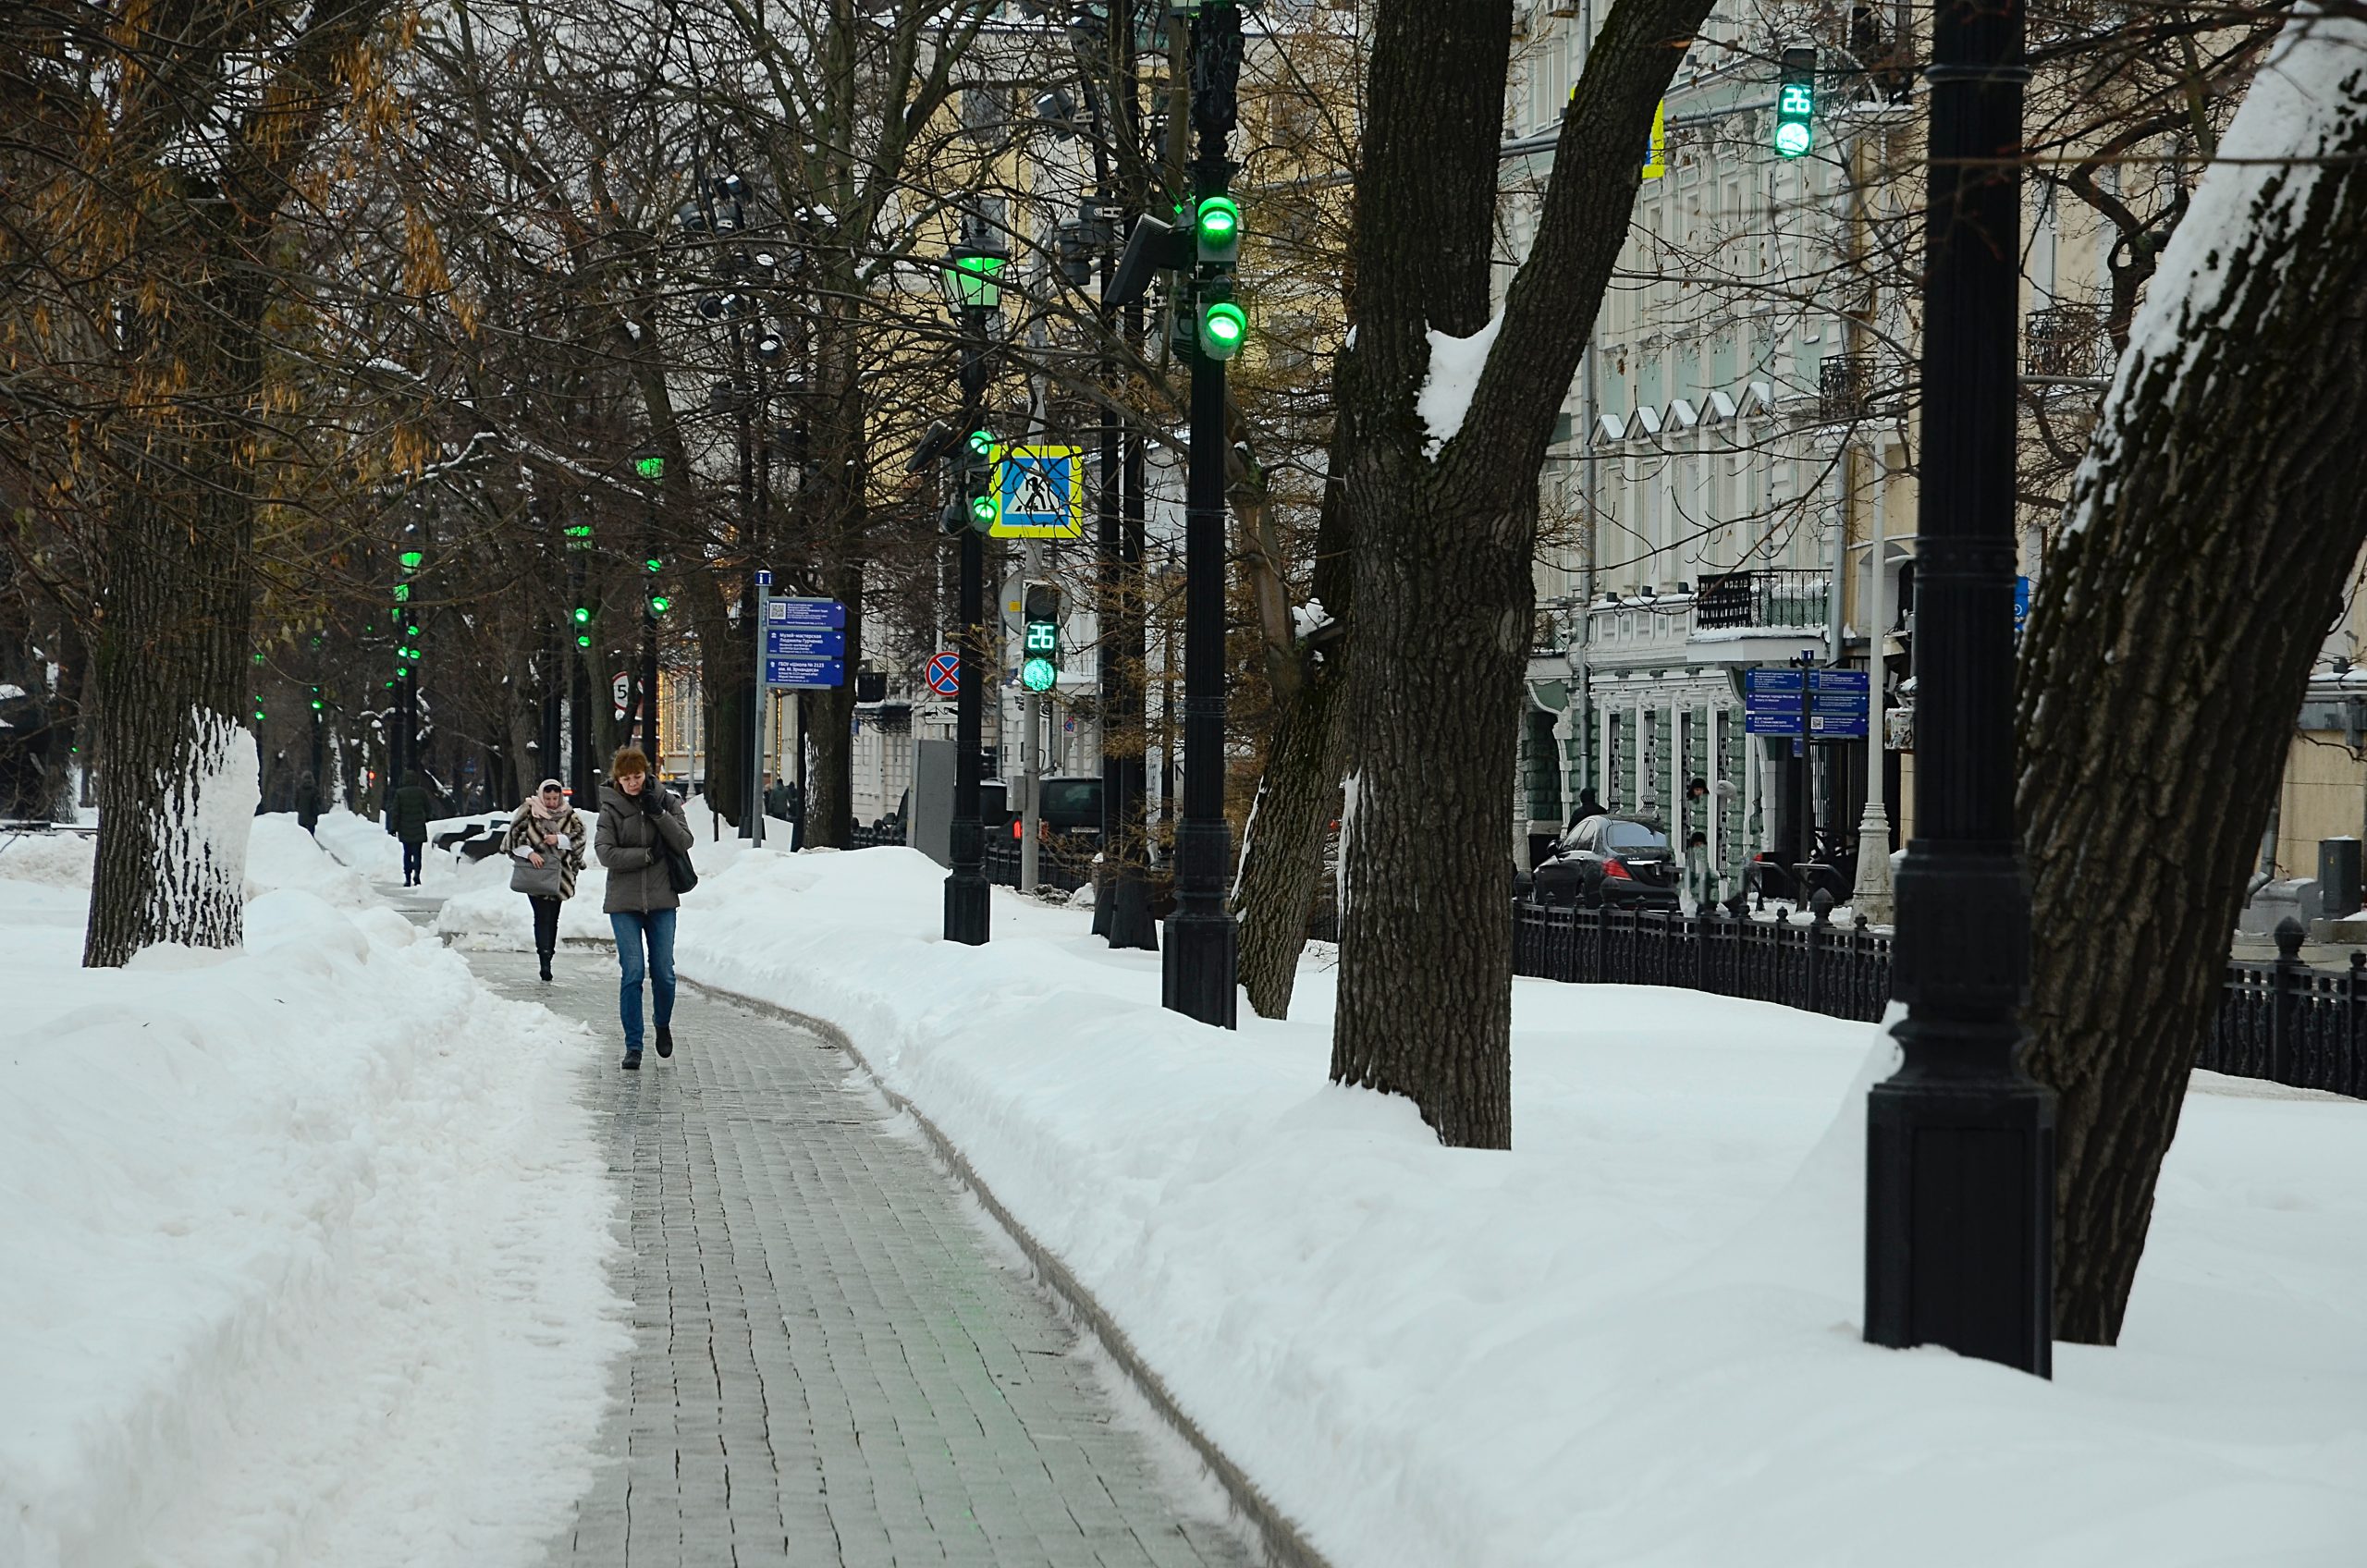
pixel 308 803
pixel 639 822
pixel 410 812
pixel 544 829
pixel 1588 806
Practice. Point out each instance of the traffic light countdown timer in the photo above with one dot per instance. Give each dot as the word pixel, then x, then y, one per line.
pixel 1040 644
pixel 1796 104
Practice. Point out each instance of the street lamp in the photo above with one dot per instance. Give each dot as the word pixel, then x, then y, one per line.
pixel 1960 1144
pixel 1201 954
pixel 971 283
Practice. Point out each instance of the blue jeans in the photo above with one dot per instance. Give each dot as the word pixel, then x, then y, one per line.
pixel 657 926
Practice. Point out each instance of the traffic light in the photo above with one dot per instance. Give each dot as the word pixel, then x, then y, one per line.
pixel 1224 325
pixel 316 699
pixel 582 618
pixel 1216 224
pixel 650 465
pixel 1796 103
pixel 1040 636
pixel 982 508
pixel 658 602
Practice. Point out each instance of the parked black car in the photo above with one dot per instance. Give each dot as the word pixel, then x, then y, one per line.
pixel 1621 861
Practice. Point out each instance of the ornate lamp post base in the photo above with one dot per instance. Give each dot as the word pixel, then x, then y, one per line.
pixel 1200 963
pixel 967 915
pixel 1959 1215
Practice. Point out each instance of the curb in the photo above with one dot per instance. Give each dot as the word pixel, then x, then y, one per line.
pixel 1285 1546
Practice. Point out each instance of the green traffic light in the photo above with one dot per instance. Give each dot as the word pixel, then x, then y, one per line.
pixel 402 592
pixel 582 614
pixel 982 442
pixel 410 559
pixel 650 467
pixel 659 604
pixel 654 564
pixel 1792 140
pixel 1219 219
pixel 1223 329
pixel 984 512
pixel 1037 675
pixel 583 640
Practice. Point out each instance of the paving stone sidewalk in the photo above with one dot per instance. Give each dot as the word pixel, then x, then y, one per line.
pixel 833 1365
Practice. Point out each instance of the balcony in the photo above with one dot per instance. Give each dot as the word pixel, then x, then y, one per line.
pixel 1763 599
pixel 1844 385
pixel 2066 341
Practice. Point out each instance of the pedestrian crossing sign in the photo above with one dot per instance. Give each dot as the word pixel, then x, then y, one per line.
pixel 1040 492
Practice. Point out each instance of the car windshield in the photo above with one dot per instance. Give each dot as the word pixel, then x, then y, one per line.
pixel 1075 801
pixel 1632 836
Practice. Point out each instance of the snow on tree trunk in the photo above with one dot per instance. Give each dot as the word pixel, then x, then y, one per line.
pixel 172 856
pixel 1451 433
pixel 2210 532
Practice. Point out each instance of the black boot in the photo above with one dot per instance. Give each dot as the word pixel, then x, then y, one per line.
pixel 665 1040
pixel 633 1061
pixel 547 967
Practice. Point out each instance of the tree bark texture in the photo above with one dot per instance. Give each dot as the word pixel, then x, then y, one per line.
pixel 2211 532
pixel 1444 597
pixel 1298 797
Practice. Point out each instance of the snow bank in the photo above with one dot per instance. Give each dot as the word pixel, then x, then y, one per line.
pixel 306 1243
pixel 1635 1338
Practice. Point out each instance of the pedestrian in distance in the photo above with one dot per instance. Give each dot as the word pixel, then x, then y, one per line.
pixel 547 839
pixel 308 804
pixel 645 844
pixel 410 812
pixel 1588 806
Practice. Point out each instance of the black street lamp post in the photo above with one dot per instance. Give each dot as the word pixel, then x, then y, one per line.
pixel 1960 1144
pixel 970 284
pixel 1201 953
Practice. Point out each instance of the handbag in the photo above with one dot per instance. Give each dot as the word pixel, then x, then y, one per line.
pixel 680 875
pixel 535 881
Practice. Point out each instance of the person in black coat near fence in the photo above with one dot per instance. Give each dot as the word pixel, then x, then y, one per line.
pixel 640 824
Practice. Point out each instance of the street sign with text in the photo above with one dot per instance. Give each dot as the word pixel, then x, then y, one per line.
pixel 805 612
pixel 804 642
pixel 805 672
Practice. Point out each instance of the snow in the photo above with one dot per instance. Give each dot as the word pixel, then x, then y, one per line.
pixel 1633 1340
pixel 1309 618
pixel 307 1241
pixel 1455 364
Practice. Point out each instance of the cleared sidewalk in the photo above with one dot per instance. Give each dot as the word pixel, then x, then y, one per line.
pixel 831 1363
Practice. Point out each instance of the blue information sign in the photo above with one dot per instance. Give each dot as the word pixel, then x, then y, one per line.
pixel 804 642
pixel 805 612
pixel 1838 702
pixel 805 672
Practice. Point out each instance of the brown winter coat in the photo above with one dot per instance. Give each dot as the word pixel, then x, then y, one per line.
pixel 521 835
pixel 628 844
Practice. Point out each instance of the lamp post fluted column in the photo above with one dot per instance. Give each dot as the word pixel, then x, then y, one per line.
pixel 1960 1142
pixel 1202 948
pixel 968 913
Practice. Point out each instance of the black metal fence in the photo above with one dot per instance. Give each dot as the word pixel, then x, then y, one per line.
pixel 880 835
pixel 1001 866
pixel 2282 1022
pixel 1843 971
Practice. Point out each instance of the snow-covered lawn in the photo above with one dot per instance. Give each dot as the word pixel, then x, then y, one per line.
pixel 1634 1339
pixel 304 1245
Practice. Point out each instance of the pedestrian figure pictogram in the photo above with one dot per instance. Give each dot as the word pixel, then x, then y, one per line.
pixel 1042 491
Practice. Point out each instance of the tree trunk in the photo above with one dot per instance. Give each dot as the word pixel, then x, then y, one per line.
pixel 1298 797
pixel 2210 534
pixel 178 794
pixel 829 796
pixel 1446 522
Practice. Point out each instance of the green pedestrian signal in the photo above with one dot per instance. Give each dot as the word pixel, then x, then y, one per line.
pixel 1796 104
pixel 652 467
pixel 410 559
pixel 1039 636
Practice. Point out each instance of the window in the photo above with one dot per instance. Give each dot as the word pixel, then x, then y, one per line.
pixel 1627 836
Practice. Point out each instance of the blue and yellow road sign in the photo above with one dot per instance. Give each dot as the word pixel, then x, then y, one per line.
pixel 1040 492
